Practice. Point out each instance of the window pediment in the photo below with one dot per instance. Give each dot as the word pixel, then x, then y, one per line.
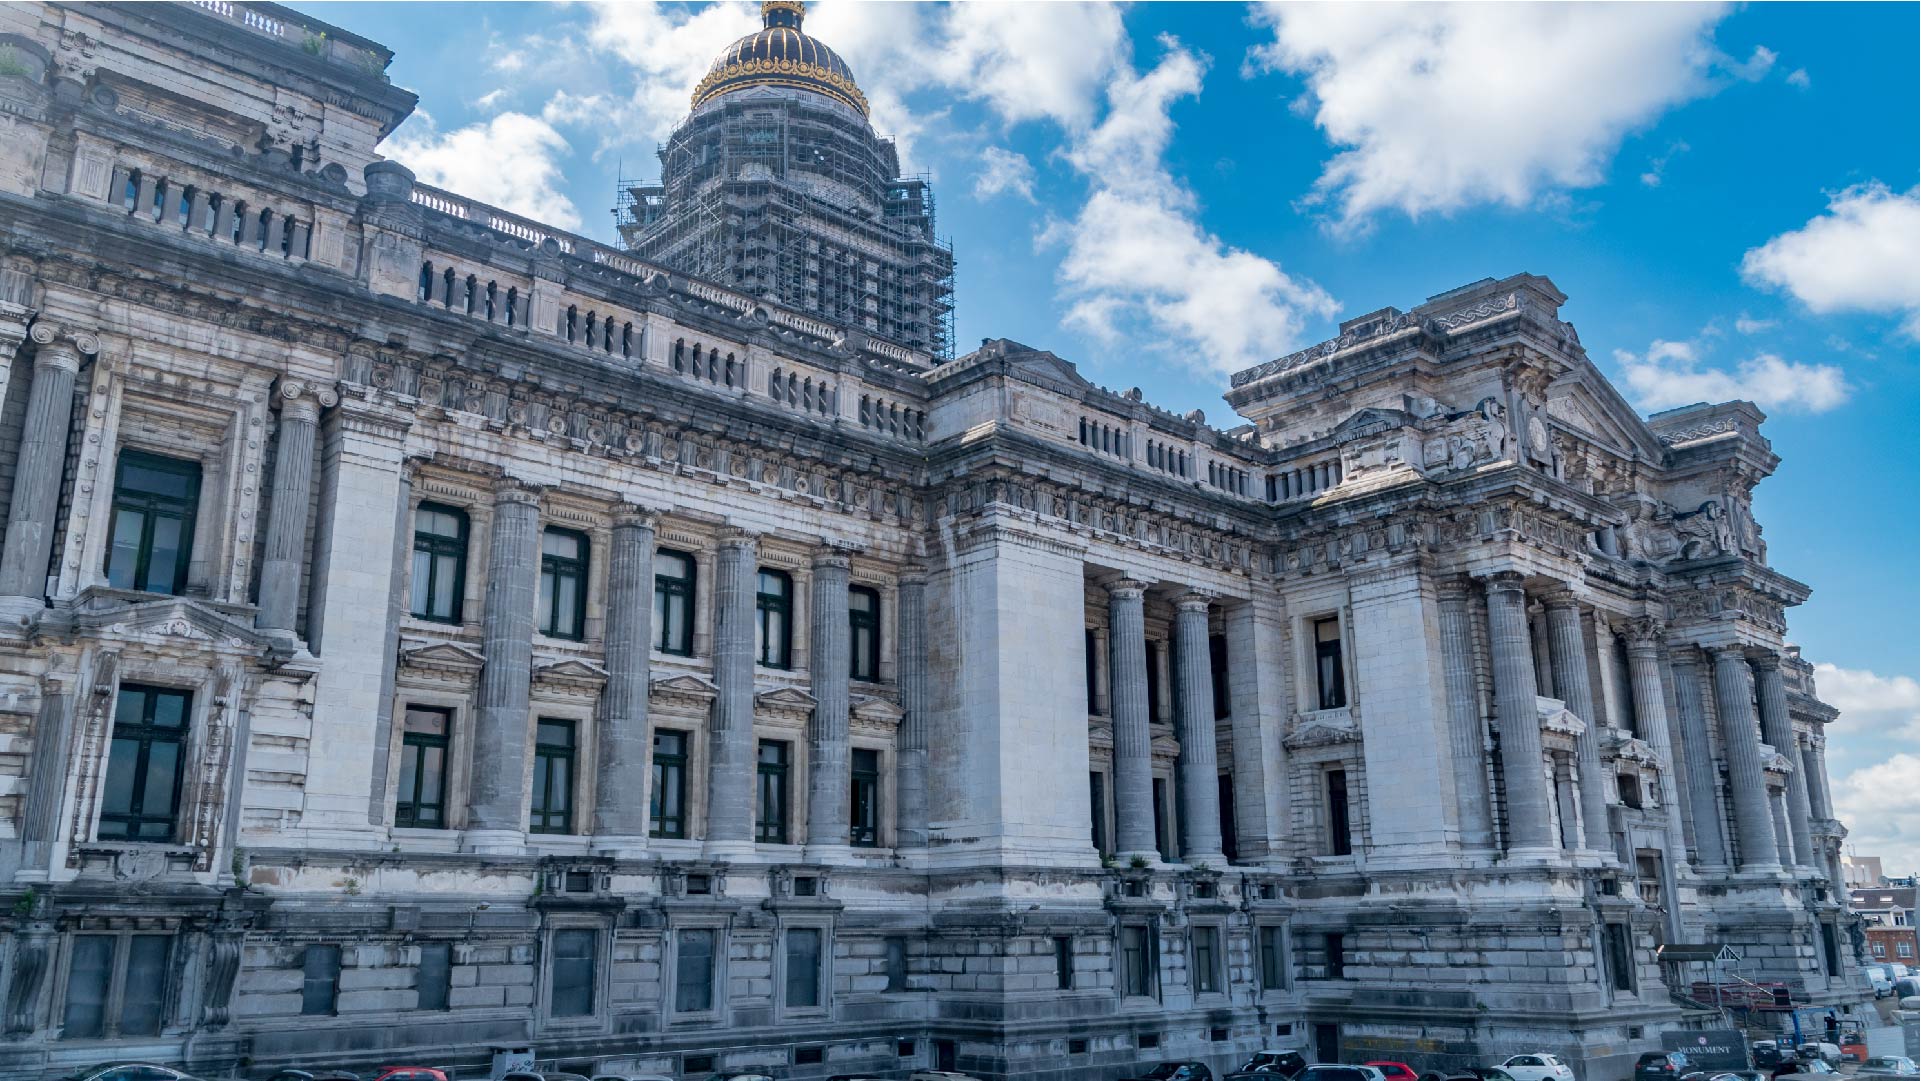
pixel 787 701
pixel 683 690
pixel 440 660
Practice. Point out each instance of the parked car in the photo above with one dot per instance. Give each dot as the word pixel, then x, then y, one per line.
pixel 1335 1072
pixel 752 1073
pixel 640 1077
pixel 128 1071
pixel 413 1073
pixel 1395 1071
pixel 314 1075
pixel 1538 1067
pixel 1660 1066
pixel 1178 1071
pixel 1275 1062
pixel 1822 1051
pixel 1470 1073
pixel 1899 1065
pixel 1730 1075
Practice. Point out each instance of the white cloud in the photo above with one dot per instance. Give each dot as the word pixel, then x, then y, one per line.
pixel 1657 167
pixel 1673 373
pixel 1748 325
pixel 1864 254
pixel 1870 754
pixel 1003 170
pixel 1441 106
pixel 510 161
pixel 667 48
pixel 1858 691
pixel 1880 805
pixel 1757 65
pixel 1799 78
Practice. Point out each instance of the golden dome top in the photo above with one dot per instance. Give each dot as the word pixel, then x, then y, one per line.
pixel 780 55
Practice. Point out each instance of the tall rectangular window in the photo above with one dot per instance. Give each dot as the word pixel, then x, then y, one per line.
pixel 896 959
pixel 863 803
pixel 1335 945
pixel 1620 956
pixel 421 802
pixel 150 540
pixel 573 973
pixel 142 790
pixel 694 970
pixel 1206 941
pixel 1217 674
pixel 553 804
pixel 563 584
pixel 116 986
pixel 668 801
pixel 1138 961
pixel 674 602
pixel 863 633
pixel 1224 802
pixel 803 967
pixel 1328 675
pixel 319 979
pixel 440 562
pixel 143 989
pixel 1097 810
pixel 1163 841
pixel 89 980
pixel 1154 714
pixel 1064 962
pixel 1090 646
pixel 433 980
pixel 1340 841
pixel 770 808
pixel 1273 946
pixel 774 619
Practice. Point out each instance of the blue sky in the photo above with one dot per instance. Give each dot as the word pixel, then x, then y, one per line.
pixel 1164 193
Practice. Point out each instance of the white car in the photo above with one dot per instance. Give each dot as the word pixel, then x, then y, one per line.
pixel 1538 1067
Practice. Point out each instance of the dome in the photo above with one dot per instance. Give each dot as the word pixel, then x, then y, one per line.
pixel 780 55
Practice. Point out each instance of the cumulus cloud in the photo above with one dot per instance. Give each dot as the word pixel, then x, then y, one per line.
pixel 1875 772
pixel 1657 166
pixel 1668 374
pixel 1003 170
pixel 511 161
pixel 1864 254
pixel 1442 106
pixel 1798 78
pixel 1880 805
pixel 1746 324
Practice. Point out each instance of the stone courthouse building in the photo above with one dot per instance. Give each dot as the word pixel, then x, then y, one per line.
pixel 426 630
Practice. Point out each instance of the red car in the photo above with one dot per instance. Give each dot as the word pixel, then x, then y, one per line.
pixel 410 1073
pixel 1395 1071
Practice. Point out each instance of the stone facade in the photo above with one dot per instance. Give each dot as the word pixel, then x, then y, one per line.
pixel 426 630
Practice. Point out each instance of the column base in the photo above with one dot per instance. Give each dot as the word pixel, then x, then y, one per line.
pixel 494 842
pixel 1148 860
pixel 740 851
pixel 1214 861
pixel 829 853
pixel 1544 855
pixel 18 614
pixel 620 848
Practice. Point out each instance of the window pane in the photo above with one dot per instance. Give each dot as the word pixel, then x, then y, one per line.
pixel 320 979
pixel 556 543
pixel 88 974
pixel 422 572
pixel 435 975
pixel 143 993
pixel 803 967
pixel 548 624
pixel 164 557
pixel 156 799
pixel 573 973
pixel 567 608
pixel 169 710
pixel 694 970
pixel 122 760
pixel 124 557
pixel 433 772
pixel 446 586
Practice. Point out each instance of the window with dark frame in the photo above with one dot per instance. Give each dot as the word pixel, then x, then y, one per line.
pixel 1154 713
pixel 668 801
pixel 863 803
pixel 563 584
pixel 895 949
pixel 674 602
pixel 553 803
pixel 150 537
pixel 1163 839
pixel 1097 809
pixel 1340 839
pixel 116 986
pixel 1091 645
pixel 1335 946
pixel 1064 962
pixel 440 562
pixel 141 793
pixel 803 968
pixel 770 808
pixel 1620 956
pixel 1206 941
pixel 433 979
pixel 319 979
pixel 863 629
pixel 694 969
pixel 1217 674
pixel 1138 961
pixel 421 801
pixel 571 975
pixel 774 619
pixel 1328 673
pixel 1273 949
pixel 1224 805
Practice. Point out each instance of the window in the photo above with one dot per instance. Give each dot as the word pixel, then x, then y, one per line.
pixel 1830 950
pixel 440 562
pixel 774 614
pixel 434 978
pixel 1097 800
pixel 1327 663
pixel 1154 650
pixel 863 629
pixel 1091 646
pixel 1620 956
pixel 1206 960
pixel 674 602
pixel 553 806
pixel 1224 805
pixel 563 584
pixel 1139 961
pixel 803 968
pixel 1880 948
pixel 863 804
pixel 668 803
pixel 116 986
pixel 770 809
pixel 1340 840
pixel 1217 673
pixel 151 537
pixel 573 973
pixel 142 790
pixel 1273 947
pixel 1064 962
pixel 896 959
pixel 1904 949
pixel 319 979
pixel 1163 842
pixel 1336 947
pixel 1629 787
pixel 421 802
pixel 694 970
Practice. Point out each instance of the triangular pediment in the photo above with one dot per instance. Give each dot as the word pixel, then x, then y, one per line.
pixel 420 653
pixel 1045 369
pixel 1368 422
pixel 570 670
pixel 875 710
pixel 785 700
pixel 684 685
pixel 173 617
pixel 1589 404
pixel 1556 717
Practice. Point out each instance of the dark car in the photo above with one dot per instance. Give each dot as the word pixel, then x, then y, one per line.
pixel 1274 1063
pixel 313 1075
pixel 1178 1071
pixel 1660 1066
pixel 128 1071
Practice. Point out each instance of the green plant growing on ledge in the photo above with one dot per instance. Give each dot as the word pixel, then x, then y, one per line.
pixel 315 43
pixel 1139 863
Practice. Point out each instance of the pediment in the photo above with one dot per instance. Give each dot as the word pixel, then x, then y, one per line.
pixel 785 700
pixel 682 686
pixel 870 711
pixel 1773 761
pixel 419 653
pixel 1588 404
pixel 1047 370
pixel 1557 718
pixel 177 618
pixel 570 670
pixel 1370 421
pixel 1631 749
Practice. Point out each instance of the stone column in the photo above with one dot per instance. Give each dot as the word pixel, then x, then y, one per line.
pixel 1466 743
pixel 37 473
pixel 1529 828
pixel 623 770
pixel 730 738
pixel 1812 764
pixel 827 666
pixel 287 511
pixel 1200 792
pixel 1778 812
pixel 1741 737
pixel 1650 711
pixel 1710 844
pixel 1569 649
pixel 1777 727
pixel 910 798
pixel 497 813
pixel 1133 745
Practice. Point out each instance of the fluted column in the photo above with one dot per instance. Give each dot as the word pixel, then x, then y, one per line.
pixel 287 511
pixel 1650 709
pixel 1777 727
pixel 1741 737
pixel 1569 648
pixel 37 473
pixel 497 812
pixel 730 738
pixel 1133 745
pixel 1529 826
pixel 827 666
pixel 911 642
pixel 624 749
pixel 1813 763
pixel 1200 791
pixel 1466 742
pixel 1778 813
pixel 1710 841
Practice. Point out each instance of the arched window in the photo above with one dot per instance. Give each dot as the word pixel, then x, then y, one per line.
pixel 239 225
pixel 863 410
pixel 589 339
pixel 130 195
pixel 773 384
pixel 214 202
pixel 696 370
pixel 730 369
pixel 266 223
pixel 184 213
